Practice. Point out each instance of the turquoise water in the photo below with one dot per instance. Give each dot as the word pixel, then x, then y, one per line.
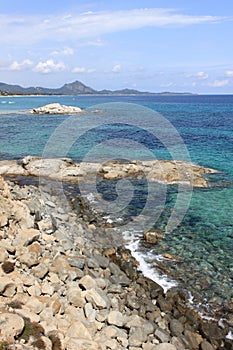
pixel 205 123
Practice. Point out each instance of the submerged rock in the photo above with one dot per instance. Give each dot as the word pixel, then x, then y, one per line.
pixel 152 236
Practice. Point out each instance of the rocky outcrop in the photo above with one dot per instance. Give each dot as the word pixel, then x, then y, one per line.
pixel 56 108
pixel 64 169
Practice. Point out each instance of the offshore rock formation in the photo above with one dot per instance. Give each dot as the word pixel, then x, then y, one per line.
pixel 64 169
pixel 56 108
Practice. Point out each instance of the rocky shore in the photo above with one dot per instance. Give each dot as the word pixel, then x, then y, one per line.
pixel 66 285
pixel 64 169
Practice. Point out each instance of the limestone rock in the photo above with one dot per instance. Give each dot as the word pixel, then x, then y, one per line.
pixel 98 298
pixel 7 286
pixel 40 270
pixel 45 225
pixel 211 330
pixel 56 108
pixel 34 291
pixel 192 339
pixel 205 345
pixel 55 305
pixel 165 171
pixel 90 312
pixel 164 346
pixel 26 237
pixel 79 331
pixel 116 318
pixel 178 343
pixel 134 321
pixel 29 258
pixel 25 313
pixel 113 332
pixel 3 254
pixel 176 327
pixel 81 344
pixel 11 325
pixel 35 305
pixel 137 336
pixel 3 220
pixel 162 335
pixel 87 282
pixel 75 298
pixel 47 288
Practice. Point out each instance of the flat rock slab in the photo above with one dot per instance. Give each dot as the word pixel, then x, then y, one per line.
pixel 64 169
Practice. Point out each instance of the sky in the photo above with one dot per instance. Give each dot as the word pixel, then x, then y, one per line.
pixel 149 45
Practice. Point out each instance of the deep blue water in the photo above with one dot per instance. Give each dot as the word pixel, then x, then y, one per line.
pixel 204 123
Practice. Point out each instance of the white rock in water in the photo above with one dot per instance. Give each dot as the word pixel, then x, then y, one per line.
pixel 56 108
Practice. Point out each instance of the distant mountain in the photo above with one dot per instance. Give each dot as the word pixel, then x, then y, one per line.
pixel 75 88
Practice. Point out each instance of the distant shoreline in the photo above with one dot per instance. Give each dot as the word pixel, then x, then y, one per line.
pixel 104 95
pixel 77 88
pixel 116 95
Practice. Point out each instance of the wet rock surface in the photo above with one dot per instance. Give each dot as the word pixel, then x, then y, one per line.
pixel 65 284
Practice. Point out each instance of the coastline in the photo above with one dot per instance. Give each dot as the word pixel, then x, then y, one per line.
pixel 66 170
pixel 134 310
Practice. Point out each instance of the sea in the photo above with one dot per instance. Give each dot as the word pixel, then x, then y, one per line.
pixel 197 223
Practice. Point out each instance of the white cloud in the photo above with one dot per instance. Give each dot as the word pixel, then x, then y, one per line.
pixel 202 75
pixel 49 66
pixel 17 66
pixel 67 51
pixel 229 73
pixel 31 29
pixel 219 83
pixel 167 85
pixel 97 43
pixel 116 68
pixel 83 70
pixel 199 75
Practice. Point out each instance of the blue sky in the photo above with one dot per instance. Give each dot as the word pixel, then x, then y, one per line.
pixel 177 45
